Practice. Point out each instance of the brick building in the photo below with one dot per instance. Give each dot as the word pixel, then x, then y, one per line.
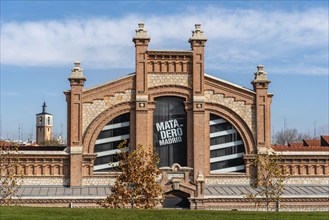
pixel 205 130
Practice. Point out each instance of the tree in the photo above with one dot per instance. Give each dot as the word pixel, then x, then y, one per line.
pixel 289 136
pixel 52 142
pixel 136 185
pixel 268 183
pixel 9 180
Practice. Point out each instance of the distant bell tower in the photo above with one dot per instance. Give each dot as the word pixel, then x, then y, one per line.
pixel 44 125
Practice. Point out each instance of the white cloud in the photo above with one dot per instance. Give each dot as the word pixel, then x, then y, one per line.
pixel 235 38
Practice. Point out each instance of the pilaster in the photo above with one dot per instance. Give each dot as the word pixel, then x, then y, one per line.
pixel 141 41
pixel 197 42
pixel 263 106
pixel 74 107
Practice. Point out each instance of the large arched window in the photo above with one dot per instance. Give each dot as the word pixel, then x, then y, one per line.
pixel 107 142
pixel 169 135
pixel 226 147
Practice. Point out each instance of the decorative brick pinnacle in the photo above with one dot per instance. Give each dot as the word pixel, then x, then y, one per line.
pixel 77 63
pixel 260 75
pixel 198 33
pixel 77 72
pixel 141 32
pixel 260 67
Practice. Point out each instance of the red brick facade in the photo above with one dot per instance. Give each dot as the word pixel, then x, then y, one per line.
pixel 171 74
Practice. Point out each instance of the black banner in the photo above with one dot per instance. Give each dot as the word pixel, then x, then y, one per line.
pixel 170 131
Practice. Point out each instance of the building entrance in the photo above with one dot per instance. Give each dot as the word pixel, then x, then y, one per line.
pixel 176 199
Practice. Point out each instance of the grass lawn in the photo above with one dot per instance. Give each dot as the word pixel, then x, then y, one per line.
pixel 27 213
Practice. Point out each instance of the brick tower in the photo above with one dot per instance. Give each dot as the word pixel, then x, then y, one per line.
pixel 44 125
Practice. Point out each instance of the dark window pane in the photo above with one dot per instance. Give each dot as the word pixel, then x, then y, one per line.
pixel 225 139
pixel 169 137
pixel 227 164
pixel 111 145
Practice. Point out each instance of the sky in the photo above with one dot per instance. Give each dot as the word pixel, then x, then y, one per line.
pixel 40 40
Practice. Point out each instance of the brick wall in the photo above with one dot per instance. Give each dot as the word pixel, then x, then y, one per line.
pixel 92 110
pixel 245 111
pixel 169 79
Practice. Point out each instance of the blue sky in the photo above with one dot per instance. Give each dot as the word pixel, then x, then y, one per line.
pixel 40 40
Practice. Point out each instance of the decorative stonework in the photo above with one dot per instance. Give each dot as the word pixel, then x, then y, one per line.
pixel 92 110
pixel 307 180
pixel 177 178
pixel 246 112
pixel 227 180
pixel 169 79
pixel 98 181
pixel 119 97
pixel 231 180
pixel 33 181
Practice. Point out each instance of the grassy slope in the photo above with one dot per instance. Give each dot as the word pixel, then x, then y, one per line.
pixel 27 213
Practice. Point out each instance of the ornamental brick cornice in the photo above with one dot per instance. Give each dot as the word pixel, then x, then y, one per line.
pixel 195 199
pixel 40 157
pixel 173 53
pixel 228 176
pixel 170 90
pixel 296 157
pixel 304 157
pixel 204 203
pixel 59 200
pixel 242 199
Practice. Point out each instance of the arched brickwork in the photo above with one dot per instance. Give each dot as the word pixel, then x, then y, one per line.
pixel 100 121
pixel 237 122
pixel 179 91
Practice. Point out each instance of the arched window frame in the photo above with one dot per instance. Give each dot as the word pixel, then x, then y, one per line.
pixel 226 147
pixel 111 135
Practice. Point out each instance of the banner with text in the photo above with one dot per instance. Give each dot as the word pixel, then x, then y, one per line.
pixel 170 130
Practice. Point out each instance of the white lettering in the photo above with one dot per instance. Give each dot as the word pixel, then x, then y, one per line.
pixel 163 135
pixel 173 132
pixel 176 125
pixel 160 126
pixel 167 125
pixel 170 141
pixel 170 132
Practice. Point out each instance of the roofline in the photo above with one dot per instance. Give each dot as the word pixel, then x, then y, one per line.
pixel 229 83
pixel 285 196
pixel 43 153
pixel 108 82
pixel 157 50
pixel 310 153
pixel 43 113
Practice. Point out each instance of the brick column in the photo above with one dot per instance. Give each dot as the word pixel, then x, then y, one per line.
pixel 189 124
pixel 263 107
pixel 74 124
pixel 141 41
pixel 197 42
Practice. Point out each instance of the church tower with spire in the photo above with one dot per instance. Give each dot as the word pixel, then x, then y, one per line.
pixel 44 125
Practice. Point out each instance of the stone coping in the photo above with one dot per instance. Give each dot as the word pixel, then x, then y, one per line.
pixel 229 83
